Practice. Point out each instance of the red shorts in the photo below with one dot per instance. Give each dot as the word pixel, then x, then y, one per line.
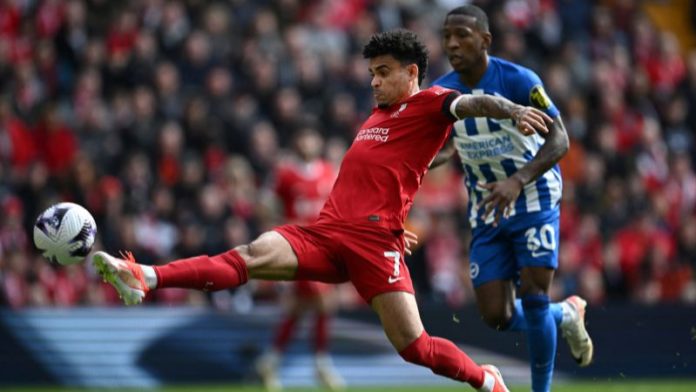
pixel 369 256
pixel 311 289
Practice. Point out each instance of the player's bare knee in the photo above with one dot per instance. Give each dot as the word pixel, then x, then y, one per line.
pixel 254 253
pixel 243 251
pixel 535 281
pixel 402 337
pixel 261 247
pixel 497 320
pixel 533 289
pixel 271 257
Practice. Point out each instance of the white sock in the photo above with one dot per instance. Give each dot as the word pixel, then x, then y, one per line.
pixel 272 358
pixel 150 276
pixel 567 314
pixel 488 383
pixel 323 359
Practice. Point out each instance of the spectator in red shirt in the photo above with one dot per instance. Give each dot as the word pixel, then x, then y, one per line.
pixel 57 143
pixel 16 141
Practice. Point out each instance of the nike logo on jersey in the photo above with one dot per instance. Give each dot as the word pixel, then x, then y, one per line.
pixel 394 279
pixel 539 254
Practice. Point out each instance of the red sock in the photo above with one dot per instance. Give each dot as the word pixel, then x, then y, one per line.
pixel 321 333
pixel 284 334
pixel 223 271
pixel 444 358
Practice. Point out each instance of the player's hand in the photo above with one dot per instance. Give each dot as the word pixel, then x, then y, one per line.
pixel 530 120
pixel 411 240
pixel 500 199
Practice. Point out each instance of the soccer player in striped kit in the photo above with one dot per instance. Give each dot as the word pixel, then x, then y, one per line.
pixel 515 189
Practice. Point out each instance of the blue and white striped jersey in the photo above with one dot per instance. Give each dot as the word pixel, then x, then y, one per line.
pixel 492 150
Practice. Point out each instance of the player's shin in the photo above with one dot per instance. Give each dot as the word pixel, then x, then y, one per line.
pixel 284 333
pixel 541 340
pixel 518 323
pixel 321 333
pixel 445 359
pixel 208 273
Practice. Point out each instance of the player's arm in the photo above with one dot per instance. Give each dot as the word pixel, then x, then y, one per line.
pixel 503 193
pixel 526 86
pixel 529 88
pixel 527 119
pixel 444 155
pixel 553 149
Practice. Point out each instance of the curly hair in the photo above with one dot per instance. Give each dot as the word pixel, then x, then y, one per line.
pixel 403 45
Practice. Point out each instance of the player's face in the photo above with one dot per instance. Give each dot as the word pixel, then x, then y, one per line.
pixel 391 81
pixel 464 43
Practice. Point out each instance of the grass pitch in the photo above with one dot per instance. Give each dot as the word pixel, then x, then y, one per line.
pixel 603 386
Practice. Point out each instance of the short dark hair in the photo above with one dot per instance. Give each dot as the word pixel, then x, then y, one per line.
pixel 475 12
pixel 403 45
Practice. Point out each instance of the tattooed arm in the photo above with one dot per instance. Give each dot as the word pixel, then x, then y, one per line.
pixel 527 119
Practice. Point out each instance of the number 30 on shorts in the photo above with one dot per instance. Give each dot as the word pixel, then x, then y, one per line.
pixel 544 237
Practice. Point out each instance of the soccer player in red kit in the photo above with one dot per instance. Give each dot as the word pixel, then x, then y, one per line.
pixel 359 234
pixel 302 183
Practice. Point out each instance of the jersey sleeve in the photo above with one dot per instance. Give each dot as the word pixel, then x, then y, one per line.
pixel 447 103
pixel 528 90
pixel 441 98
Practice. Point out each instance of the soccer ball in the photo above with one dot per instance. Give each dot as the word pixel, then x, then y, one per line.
pixel 65 233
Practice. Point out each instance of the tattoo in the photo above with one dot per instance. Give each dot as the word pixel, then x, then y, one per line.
pixel 486 106
pixel 553 149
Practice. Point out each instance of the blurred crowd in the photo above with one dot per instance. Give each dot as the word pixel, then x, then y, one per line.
pixel 166 120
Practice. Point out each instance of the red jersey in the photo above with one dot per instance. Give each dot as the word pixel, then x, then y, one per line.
pixel 303 188
pixel 384 167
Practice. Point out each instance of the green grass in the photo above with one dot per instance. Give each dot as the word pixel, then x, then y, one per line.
pixel 603 386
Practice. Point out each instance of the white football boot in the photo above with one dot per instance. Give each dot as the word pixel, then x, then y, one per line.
pixel 124 274
pixel 493 382
pixel 574 331
pixel 267 369
pixel 327 374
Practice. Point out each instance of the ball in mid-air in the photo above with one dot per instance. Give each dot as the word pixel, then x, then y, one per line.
pixel 65 233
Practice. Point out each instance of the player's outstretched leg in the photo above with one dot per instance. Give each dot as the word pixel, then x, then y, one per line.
pixel 133 280
pixel 399 315
pixel 268 257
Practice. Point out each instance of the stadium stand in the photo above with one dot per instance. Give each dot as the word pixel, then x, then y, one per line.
pixel 165 119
